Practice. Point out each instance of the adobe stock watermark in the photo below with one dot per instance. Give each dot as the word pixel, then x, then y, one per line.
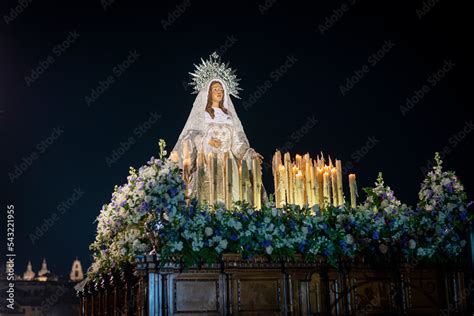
pixel 467 291
pixel 117 71
pixel 426 7
pixel 358 74
pixel 126 144
pixel 221 50
pixel 174 15
pixel 106 4
pixel 431 82
pixel 359 154
pixel 294 138
pixel 16 11
pixel 44 64
pixel 26 162
pixel 265 6
pixel 274 77
pixel 335 16
pixel 453 142
pixel 53 299
pixel 48 222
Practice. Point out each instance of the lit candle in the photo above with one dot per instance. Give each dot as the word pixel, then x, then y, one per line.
pixel 334 187
pixel 281 185
pixel 314 184
pixel 299 188
pixel 210 174
pixel 294 171
pixel 308 185
pixel 174 156
pixel 241 192
pixel 340 192
pixel 201 175
pixel 185 150
pixel 289 183
pixel 320 172
pixel 256 183
pixel 245 182
pixel 327 189
pixel 298 161
pixel 228 178
pixel 212 164
pixel 276 162
pixel 353 189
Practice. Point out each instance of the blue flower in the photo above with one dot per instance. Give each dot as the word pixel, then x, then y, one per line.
pixel 233 237
pixel 375 235
pixel 301 247
pixel 292 224
pixel 173 192
pixel 266 243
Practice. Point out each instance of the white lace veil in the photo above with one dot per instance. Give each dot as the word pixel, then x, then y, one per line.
pixel 195 124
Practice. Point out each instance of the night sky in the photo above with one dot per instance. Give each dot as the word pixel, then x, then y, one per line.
pixel 79 82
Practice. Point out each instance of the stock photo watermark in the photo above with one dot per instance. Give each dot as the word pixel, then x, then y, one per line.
pixel 431 82
pixel 174 15
pixel 265 6
pixel 27 161
pixel 44 64
pixel 221 50
pixel 335 16
pixel 48 222
pixel 117 72
pixel 274 77
pixel 10 257
pixel 359 154
pixel 425 8
pixel 294 138
pixel 126 144
pixel 16 11
pixel 359 74
pixel 453 141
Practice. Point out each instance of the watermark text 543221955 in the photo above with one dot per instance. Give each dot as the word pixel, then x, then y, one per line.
pixel 10 257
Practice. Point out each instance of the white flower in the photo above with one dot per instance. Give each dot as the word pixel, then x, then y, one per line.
pixel 411 244
pixel 451 207
pixel 349 239
pixel 270 227
pixel 177 246
pixel 269 250
pixel 304 230
pixel 223 244
pixel 208 231
pixel 274 212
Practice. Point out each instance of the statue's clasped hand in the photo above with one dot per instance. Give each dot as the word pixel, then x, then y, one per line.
pixel 214 142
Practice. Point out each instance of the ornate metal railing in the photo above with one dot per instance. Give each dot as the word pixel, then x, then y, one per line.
pixel 259 287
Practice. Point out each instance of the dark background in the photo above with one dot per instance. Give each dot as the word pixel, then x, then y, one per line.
pixel 154 83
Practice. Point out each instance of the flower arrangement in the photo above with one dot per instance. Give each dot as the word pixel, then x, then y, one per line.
pixel 151 214
pixel 441 215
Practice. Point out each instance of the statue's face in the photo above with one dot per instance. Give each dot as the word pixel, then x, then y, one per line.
pixel 217 92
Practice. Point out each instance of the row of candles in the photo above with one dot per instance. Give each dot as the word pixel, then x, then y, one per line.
pixel 215 178
pixel 307 181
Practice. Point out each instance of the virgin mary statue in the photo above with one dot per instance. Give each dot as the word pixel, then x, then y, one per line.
pixel 212 148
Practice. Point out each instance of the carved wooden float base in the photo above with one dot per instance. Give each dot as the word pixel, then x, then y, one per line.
pixel 258 287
